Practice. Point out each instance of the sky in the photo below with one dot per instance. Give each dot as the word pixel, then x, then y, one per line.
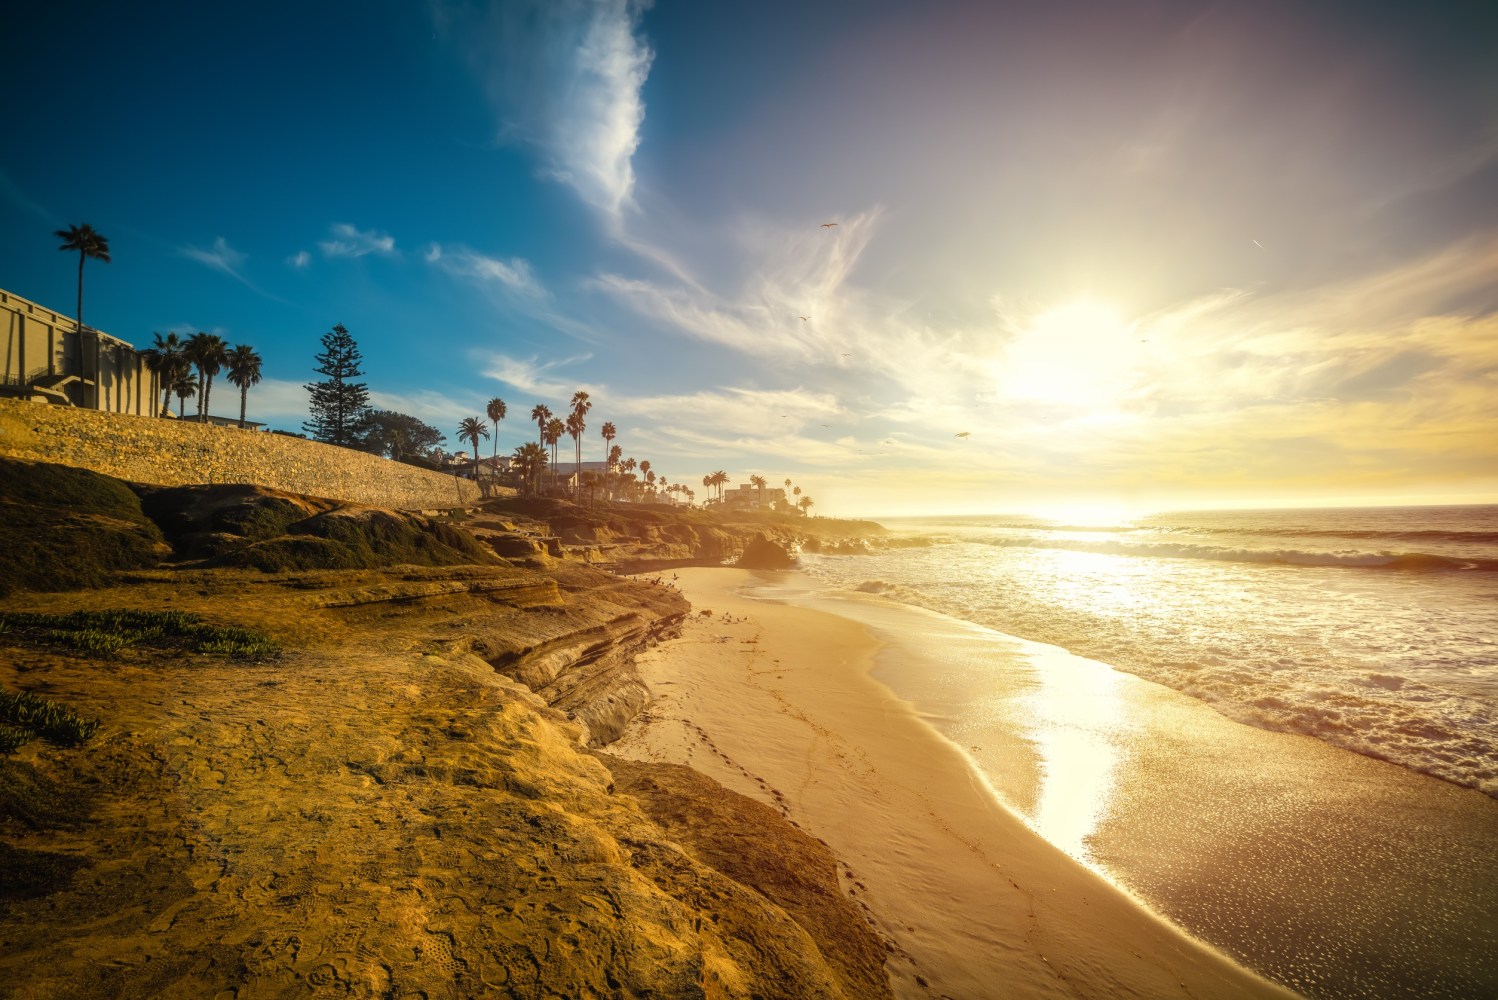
pixel 1086 255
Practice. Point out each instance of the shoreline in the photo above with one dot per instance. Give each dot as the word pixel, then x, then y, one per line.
pixel 779 702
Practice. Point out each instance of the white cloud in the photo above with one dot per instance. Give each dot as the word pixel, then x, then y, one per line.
pixel 513 275
pixel 299 260
pixel 276 401
pixel 564 76
pixel 533 376
pixel 222 257
pixel 348 241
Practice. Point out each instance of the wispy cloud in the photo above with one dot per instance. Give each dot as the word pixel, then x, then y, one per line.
pixel 534 376
pixel 350 241
pixel 512 276
pixel 564 76
pixel 226 260
pixel 792 302
pixel 299 260
pixel 443 410
pixel 222 257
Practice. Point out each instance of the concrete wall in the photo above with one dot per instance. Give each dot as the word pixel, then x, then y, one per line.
pixel 42 347
pixel 179 453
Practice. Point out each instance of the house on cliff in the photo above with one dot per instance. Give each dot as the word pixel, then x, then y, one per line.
pixel 44 356
pixel 747 496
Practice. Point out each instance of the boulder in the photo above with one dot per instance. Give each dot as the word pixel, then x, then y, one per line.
pixel 763 553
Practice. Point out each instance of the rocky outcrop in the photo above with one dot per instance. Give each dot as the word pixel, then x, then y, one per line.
pixel 62 528
pixel 378 813
pixel 398 804
pixel 761 553
pixel 274 531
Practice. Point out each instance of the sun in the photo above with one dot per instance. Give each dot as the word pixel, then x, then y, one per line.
pixel 1076 355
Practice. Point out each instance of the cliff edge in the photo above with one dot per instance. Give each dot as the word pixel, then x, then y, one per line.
pixel 332 781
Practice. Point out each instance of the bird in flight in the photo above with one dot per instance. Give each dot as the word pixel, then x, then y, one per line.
pixel 805 318
pixel 963 434
pixel 1258 244
pixel 829 225
pixel 847 355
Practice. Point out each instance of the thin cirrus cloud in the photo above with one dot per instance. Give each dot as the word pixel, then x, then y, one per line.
pixel 221 257
pixel 225 259
pixel 350 241
pixel 565 77
pixel 299 260
pixel 513 275
pixel 536 377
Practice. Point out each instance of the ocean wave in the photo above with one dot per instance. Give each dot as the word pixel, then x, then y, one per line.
pixel 1406 561
pixel 893 591
pixel 1350 534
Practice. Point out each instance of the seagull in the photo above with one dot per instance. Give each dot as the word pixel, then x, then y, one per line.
pixel 1257 244
pixel 846 354
pixel 963 434
pixel 829 225
pixel 805 318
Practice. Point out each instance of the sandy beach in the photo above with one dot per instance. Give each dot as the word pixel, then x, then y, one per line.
pixel 777 702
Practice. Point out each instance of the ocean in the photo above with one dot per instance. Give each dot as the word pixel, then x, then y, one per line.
pixel 1372 629
pixel 1360 647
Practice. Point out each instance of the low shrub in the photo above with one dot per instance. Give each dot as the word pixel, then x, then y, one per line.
pixel 57 724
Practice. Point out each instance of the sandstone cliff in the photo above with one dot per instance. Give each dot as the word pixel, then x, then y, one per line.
pixel 386 807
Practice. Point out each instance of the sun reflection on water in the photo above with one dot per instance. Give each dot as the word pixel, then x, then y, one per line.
pixel 1077 726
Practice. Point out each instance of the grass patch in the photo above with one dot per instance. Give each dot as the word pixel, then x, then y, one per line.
pixel 107 633
pixel 59 725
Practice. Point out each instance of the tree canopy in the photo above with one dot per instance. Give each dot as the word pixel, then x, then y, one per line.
pixel 397 435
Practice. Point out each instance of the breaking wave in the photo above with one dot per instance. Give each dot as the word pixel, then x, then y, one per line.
pixel 1406 561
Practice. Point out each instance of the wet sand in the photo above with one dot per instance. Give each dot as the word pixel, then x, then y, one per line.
pixel 1337 874
pixel 779 702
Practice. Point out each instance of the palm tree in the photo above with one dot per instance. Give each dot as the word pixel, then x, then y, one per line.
pixel 185 387
pixel 576 424
pixel 496 412
pixel 720 479
pixel 244 371
pixel 609 433
pixel 805 504
pixel 541 413
pixel 530 462
pixel 759 481
pixel 554 431
pixel 89 243
pixel 580 403
pixel 472 428
pixel 163 358
pixel 613 464
pixel 208 352
pixel 575 428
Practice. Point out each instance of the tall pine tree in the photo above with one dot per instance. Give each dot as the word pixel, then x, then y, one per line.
pixel 337 403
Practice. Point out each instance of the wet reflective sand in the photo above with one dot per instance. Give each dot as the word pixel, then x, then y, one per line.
pixel 1333 873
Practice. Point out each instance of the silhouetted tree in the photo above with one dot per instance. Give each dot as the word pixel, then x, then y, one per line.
pixel 244 371
pixel 89 243
pixel 471 429
pixel 338 402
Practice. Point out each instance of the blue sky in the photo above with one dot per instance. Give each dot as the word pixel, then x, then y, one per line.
pixel 1165 253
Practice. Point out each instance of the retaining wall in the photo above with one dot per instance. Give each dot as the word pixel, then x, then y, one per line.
pixel 177 453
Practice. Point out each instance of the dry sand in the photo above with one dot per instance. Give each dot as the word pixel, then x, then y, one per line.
pixel 777 702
